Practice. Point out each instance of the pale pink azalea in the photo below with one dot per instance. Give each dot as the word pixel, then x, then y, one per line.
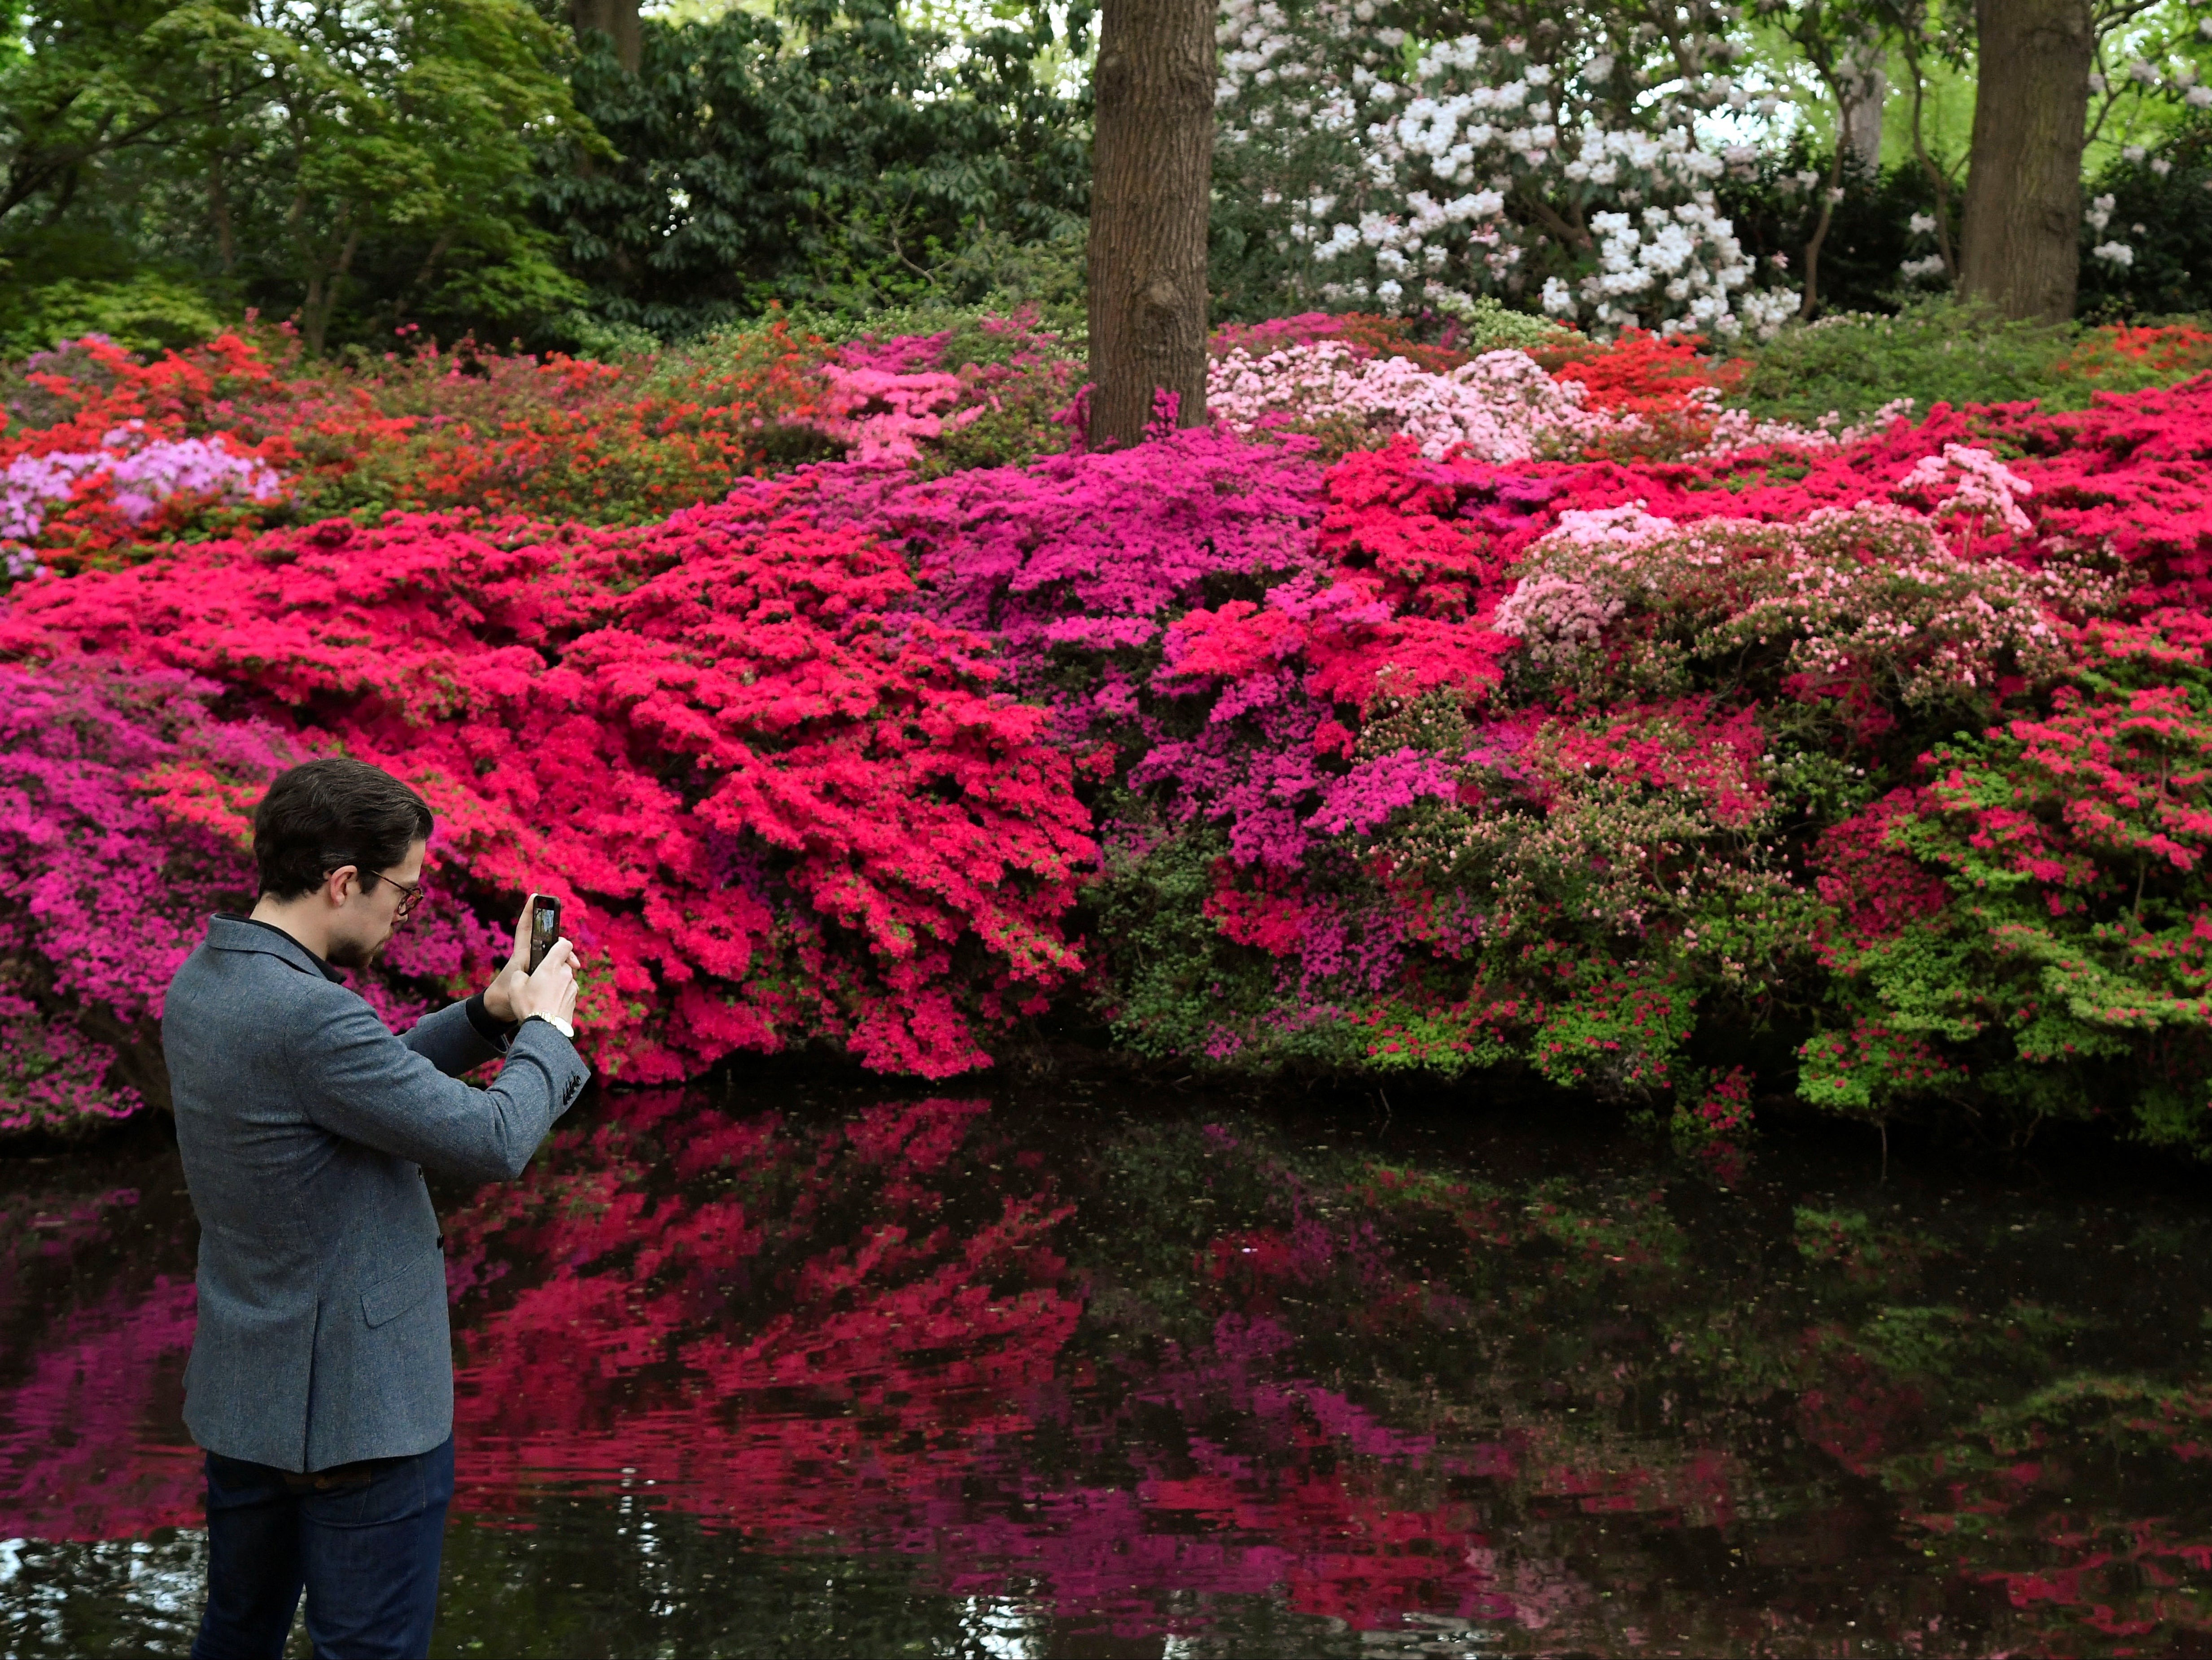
pixel 1501 407
pixel 143 475
pixel 1981 486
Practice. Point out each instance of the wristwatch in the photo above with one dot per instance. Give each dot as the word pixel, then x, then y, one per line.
pixel 558 1025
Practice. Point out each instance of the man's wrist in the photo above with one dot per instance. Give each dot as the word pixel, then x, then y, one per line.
pixel 492 1028
pixel 558 1025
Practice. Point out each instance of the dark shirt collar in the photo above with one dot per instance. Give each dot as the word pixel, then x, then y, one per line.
pixel 328 972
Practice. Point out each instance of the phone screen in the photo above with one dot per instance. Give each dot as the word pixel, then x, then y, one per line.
pixel 544 927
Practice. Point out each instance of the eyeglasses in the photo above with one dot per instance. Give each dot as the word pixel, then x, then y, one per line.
pixel 408 895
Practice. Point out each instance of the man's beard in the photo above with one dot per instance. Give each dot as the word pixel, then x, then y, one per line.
pixel 351 954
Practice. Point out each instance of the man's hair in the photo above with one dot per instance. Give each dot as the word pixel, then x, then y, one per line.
pixel 330 813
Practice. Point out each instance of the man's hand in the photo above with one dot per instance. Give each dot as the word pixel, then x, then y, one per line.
pixel 515 993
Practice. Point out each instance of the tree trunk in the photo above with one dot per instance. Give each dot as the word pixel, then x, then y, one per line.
pixel 2020 246
pixel 1151 182
pixel 1863 117
pixel 617 20
pixel 226 234
pixel 323 290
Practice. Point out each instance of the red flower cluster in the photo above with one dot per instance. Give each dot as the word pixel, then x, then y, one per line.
pixel 430 429
pixel 776 810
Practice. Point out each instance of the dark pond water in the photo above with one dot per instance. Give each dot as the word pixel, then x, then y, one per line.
pixel 808 1371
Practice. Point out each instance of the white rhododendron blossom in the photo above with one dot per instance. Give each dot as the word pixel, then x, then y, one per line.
pixel 1928 266
pixel 1418 176
pixel 2113 253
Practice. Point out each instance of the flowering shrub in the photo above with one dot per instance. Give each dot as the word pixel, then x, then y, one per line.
pixel 1867 604
pixel 109 860
pixel 2077 933
pixel 1559 816
pixel 105 457
pixel 51 1077
pixel 775 809
pixel 944 403
pixel 1487 326
pixel 1501 406
pixel 1078 563
pixel 1353 384
pixel 1419 175
pixel 1436 709
pixel 431 429
pixel 132 477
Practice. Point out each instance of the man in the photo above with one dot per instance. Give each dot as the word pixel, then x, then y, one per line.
pixel 321 1380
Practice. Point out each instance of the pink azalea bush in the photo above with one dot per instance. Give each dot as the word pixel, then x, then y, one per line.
pixel 103 890
pixel 52 1078
pixel 1562 721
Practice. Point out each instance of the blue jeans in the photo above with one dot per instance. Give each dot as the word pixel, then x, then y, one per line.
pixel 362 1540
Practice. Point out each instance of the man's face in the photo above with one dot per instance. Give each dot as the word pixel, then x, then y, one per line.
pixel 367 922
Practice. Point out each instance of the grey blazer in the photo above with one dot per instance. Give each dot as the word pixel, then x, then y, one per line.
pixel 303 1124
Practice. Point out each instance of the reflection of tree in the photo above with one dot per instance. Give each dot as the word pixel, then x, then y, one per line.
pixel 1140 1376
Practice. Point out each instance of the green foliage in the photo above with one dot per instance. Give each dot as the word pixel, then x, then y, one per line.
pixel 145 312
pixel 2070 972
pixel 1491 326
pixel 352 165
pixel 1868 1072
pixel 991 274
pixel 1777 211
pixel 399 168
pixel 839 160
pixel 87 85
pixel 2171 269
pixel 1181 987
pixel 1175 975
pixel 1934 350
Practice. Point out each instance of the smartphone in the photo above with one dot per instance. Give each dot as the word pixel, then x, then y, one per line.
pixel 544 927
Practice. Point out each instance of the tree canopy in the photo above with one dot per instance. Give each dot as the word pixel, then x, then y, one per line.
pixel 576 176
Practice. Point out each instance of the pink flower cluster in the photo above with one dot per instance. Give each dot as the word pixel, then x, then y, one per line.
pixel 52 1078
pixel 111 857
pixel 1873 591
pixel 881 417
pixel 1501 407
pixel 886 400
pixel 1980 486
pixel 143 471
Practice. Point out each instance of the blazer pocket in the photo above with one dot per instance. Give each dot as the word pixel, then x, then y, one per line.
pixel 391 1297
